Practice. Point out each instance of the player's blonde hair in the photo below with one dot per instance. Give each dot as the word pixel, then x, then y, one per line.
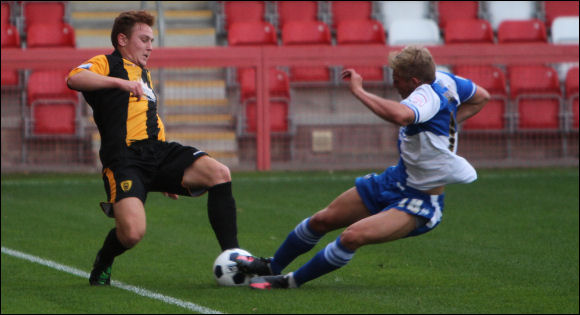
pixel 413 62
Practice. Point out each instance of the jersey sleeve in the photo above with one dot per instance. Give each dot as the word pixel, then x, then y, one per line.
pixel 465 87
pixel 423 102
pixel 98 64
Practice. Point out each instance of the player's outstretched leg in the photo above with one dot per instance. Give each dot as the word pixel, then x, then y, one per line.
pixel 301 240
pixel 332 257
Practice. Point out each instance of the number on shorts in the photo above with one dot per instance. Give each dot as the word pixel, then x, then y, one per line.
pixel 413 205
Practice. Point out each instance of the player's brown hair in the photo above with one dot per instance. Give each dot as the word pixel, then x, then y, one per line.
pixel 413 62
pixel 126 20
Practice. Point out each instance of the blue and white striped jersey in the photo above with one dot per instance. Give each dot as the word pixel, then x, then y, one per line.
pixel 428 146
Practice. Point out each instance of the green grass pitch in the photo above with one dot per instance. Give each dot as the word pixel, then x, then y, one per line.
pixel 508 243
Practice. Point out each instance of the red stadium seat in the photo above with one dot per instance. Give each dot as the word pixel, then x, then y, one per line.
pixel 278 116
pixel 42 12
pixel 279 92
pixel 50 35
pixel 493 115
pixel 54 119
pixel 490 78
pixel 49 85
pixel 243 11
pixel 362 32
pixel 53 106
pixel 277 83
pixel 10 36
pixel 311 33
pixel 572 82
pixel 536 93
pixel 512 31
pixel 554 9
pixel 350 10
pixel 252 33
pixel 10 40
pixel 5 19
pixel 456 10
pixel 468 31
pixel 306 33
pixel 571 85
pixel 289 11
pixel 9 78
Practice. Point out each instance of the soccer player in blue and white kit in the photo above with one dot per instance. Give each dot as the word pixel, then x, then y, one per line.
pixel 406 199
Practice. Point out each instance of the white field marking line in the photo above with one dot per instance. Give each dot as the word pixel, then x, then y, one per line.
pixel 137 290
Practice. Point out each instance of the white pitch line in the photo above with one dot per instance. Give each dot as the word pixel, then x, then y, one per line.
pixel 137 290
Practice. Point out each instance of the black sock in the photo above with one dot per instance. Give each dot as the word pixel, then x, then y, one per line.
pixel 111 248
pixel 221 208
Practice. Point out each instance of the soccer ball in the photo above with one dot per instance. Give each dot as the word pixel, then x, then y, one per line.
pixel 226 271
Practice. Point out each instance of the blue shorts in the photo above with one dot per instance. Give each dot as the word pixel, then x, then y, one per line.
pixel 385 191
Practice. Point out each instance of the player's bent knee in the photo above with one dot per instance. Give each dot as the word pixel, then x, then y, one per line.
pixel 320 223
pixel 131 238
pixel 206 172
pixel 352 239
pixel 222 174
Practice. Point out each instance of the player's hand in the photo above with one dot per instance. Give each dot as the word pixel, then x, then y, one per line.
pixel 172 196
pixel 135 88
pixel 355 78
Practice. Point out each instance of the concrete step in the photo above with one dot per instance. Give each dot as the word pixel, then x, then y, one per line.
pixel 173 19
pixel 204 120
pixel 118 6
pixel 220 144
pixel 207 89
pixel 136 5
pixel 189 73
pixel 194 37
pixel 199 105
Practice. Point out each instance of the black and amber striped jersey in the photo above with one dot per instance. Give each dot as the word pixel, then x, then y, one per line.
pixel 120 117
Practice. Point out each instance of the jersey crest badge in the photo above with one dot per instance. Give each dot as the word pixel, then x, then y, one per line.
pixel 126 185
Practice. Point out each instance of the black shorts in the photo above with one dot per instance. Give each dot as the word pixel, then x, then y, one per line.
pixel 150 165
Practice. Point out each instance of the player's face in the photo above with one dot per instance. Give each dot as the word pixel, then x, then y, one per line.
pixel 140 44
pixel 405 86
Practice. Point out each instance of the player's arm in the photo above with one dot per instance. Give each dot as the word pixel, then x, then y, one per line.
pixel 473 105
pixel 388 110
pixel 87 81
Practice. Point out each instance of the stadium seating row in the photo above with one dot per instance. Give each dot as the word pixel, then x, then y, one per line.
pixel 534 101
pixel 44 23
pixel 36 24
pixel 351 23
pixel 402 19
pixel 52 109
pixel 499 115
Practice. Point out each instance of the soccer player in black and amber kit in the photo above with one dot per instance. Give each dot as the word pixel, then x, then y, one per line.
pixel 134 153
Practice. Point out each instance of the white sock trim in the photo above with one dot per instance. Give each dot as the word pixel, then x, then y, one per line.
pixel 291 282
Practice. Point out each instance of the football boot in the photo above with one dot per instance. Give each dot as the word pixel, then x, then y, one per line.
pixel 101 273
pixel 254 265
pixel 273 282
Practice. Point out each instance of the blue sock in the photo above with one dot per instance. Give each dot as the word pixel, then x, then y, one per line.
pixel 298 242
pixel 332 257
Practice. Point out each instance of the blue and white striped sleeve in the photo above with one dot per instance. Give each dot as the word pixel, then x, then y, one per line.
pixel 423 103
pixel 465 87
